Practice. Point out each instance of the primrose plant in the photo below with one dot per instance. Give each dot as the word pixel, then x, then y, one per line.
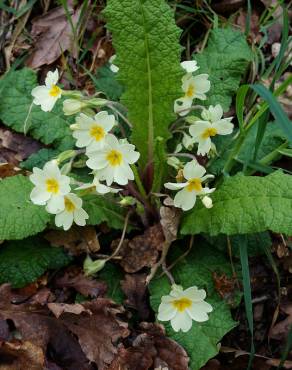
pixel 120 150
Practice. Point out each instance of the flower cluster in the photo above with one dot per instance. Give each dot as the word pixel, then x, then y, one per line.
pixel 110 158
pixel 200 132
pixel 193 87
pixel 53 190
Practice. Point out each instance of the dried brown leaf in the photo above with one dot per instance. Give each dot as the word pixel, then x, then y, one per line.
pixel 281 329
pixel 59 308
pixel 143 250
pixel 82 284
pixel 151 349
pixel 19 355
pixel 170 218
pixel 53 35
pixel 99 332
pixel 134 287
pixel 77 240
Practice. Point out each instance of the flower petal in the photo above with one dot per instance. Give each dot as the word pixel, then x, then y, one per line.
pixel 199 311
pixel 175 185
pixel 181 321
pixel 193 170
pixel 55 204
pixel 223 127
pixel 166 312
pixel 39 196
pixel 52 78
pixel 198 128
pixel 185 199
pixel 80 217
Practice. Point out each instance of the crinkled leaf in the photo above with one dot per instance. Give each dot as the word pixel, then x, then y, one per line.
pixel 201 341
pixel 245 204
pixel 103 209
pixel 146 41
pixel 22 262
pixel 19 217
pixel 225 60
pixel 107 83
pixel 39 159
pixel 48 127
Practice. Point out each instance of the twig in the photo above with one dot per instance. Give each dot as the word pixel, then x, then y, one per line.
pixel 122 237
pixel 167 273
pixel 154 268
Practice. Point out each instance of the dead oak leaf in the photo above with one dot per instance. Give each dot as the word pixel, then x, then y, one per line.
pixel 99 332
pixel 18 355
pixel 59 308
pixel 142 251
pixel 53 35
pixel 281 329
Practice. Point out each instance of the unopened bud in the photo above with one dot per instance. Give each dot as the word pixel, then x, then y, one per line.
pixel 91 267
pixel 72 106
pixel 207 201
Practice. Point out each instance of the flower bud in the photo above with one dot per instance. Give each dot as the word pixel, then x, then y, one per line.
pixel 91 267
pixel 72 106
pixel 207 201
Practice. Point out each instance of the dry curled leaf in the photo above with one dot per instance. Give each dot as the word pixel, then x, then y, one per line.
pixel 170 218
pixel 18 355
pixel 77 240
pixel 134 287
pixel 53 34
pixel 151 349
pixel 59 308
pixel 282 328
pixel 143 250
pixel 82 284
pixel 98 333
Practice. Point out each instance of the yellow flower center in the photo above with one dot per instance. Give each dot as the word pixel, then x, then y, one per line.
pixel 114 157
pixel 55 91
pixel 182 303
pixel 97 132
pixel 52 186
pixel 190 91
pixel 69 205
pixel 211 131
pixel 194 184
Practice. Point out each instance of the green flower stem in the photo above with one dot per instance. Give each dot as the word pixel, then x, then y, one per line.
pixel 138 181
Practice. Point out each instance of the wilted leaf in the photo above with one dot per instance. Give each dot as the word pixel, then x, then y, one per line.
pixel 18 355
pixel 59 308
pixel 142 250
pixel 54 35
pixel 170 218
pixel 134 287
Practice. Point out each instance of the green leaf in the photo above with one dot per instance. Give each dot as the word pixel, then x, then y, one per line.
pixel 107 83
pixel 112 275
pixel 103 209
pixel 245 204
pixel 39 159
pixel 19 217
pixel 48 127
pixel 225 60
pixel 22 262
pixel 146 41
pixel 201 342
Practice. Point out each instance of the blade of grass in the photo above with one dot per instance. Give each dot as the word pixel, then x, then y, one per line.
pixel 287 349
pixel 276 110
pixel 247 295
pixel 239 105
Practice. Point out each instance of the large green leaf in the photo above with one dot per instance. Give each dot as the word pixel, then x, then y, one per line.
pixel 103 209
pixel 39 159
pixel 22 262
pixel 146 41
pixel 19 217
pixel 245 204
pixel 48 127
pixel 201 342
pixel 225 60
